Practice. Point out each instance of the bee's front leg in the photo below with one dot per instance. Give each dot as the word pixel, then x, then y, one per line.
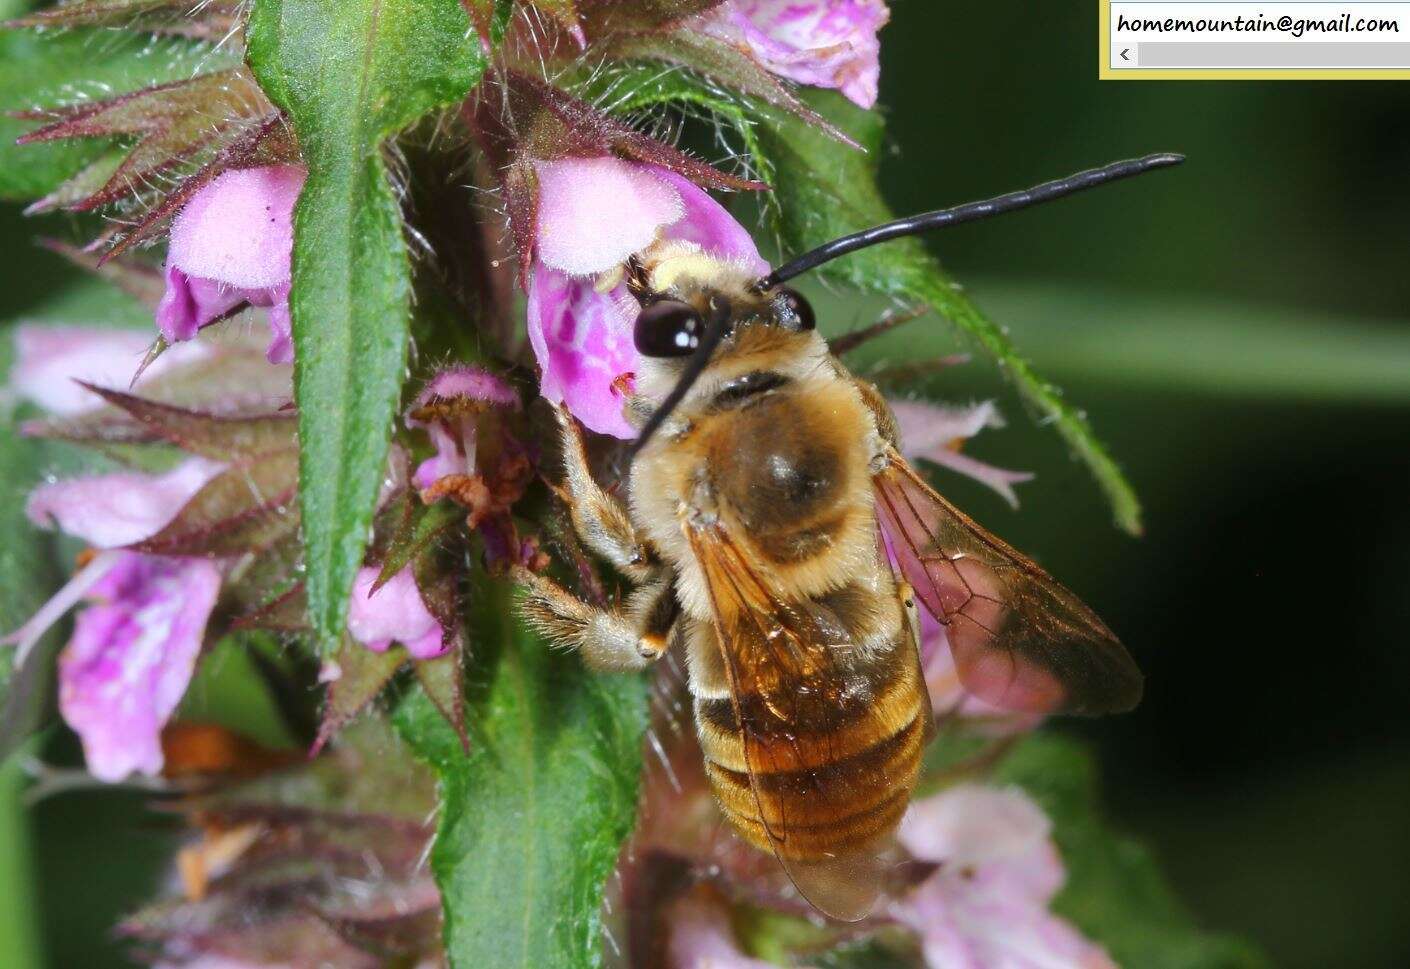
pixel 612 640
pixel 600 520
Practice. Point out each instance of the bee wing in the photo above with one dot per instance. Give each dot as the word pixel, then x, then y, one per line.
pixel 828 739
pixel 1020 640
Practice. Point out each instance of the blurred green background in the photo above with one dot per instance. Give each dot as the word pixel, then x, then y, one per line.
pixel 1239 332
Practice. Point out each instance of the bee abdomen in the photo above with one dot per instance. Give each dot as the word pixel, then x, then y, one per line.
pixel 818 789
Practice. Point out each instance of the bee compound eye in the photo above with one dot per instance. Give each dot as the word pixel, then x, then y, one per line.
pixel 793 311
pixel 668 328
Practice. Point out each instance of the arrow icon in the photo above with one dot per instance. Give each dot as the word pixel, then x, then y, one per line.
pixel 1124 53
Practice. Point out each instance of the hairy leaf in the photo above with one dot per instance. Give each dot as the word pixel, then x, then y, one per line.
pixel 211 435
pixel 721 63
pixel 533 818
pixel 443 681
pixel 824 190
pixel 630 86
pixel 286 613
pixel 418 531
pixel 173 123
pixel 490 17
pixel 87 182
pixel 565 14
pixel 245 508
pixel 1114 891
pixel 41 71
pixel 349 73
pixel 605 17
pixel 361 675
pixel 210 19
pixel 255 142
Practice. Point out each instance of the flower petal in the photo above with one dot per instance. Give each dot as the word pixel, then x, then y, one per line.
pixel 111 510
pixel 448 409
pixel 595 212
pixel 50 360
pixel 73 592
pixel 281 339
pixel 583 341
pixel 972 824
pixel 131 658
pixel 927 427
pixel 708 224
pixel 192 302
pixel 986 906
pixel 238 230
pixel 454 455
pixel 474 384
pixel 394 613
pixel 824 43
pixel 932 431
pixel 701 936
pixel 582 337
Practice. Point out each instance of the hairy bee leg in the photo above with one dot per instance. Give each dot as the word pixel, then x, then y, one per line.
pixel 609 640
pixel 600 520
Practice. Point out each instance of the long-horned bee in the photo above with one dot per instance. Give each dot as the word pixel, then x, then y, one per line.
pixel 766 486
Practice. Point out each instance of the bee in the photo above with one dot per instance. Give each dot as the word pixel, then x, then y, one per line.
pixel 765 488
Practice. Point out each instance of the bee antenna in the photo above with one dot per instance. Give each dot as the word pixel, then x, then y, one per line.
pixel 969 212
pixel 715 331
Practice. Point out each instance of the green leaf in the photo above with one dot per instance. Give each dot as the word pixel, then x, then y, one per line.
pixel 418 532
pixel 215 436
pixel 26 578
pixel 362 674
pixel 1114 891
pixel 350 73
pixel 1243 351
pixel 532 820
pixel 41 70
pixel 823 190
pixel 624 88
pixel 26 575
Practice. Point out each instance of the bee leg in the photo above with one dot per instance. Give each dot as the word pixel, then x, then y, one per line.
pixel 600 520
pixel 610 640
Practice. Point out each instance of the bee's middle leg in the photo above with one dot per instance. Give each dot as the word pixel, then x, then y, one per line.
pixel 612 640
pixel 600 520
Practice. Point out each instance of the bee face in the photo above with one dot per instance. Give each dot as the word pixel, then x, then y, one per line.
pixel 682 290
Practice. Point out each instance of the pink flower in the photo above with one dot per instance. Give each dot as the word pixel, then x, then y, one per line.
pixel 112 510
pixel 701 936
pixel 935 432
pixel 106 511
pixel 824 43
pixel 986 906
pixel 448 409
pixel 132 656
pixel 135 646
pixel 480 462
pixel 50 360
pixel 594 213
pixel 394 613
pixel 231 245
pixel 134 649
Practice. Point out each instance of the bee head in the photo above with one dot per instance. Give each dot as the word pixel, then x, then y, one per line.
pixel 691 303
pixel 682 290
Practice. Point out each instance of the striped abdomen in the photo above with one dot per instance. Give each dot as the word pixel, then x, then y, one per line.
pixel 833 754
